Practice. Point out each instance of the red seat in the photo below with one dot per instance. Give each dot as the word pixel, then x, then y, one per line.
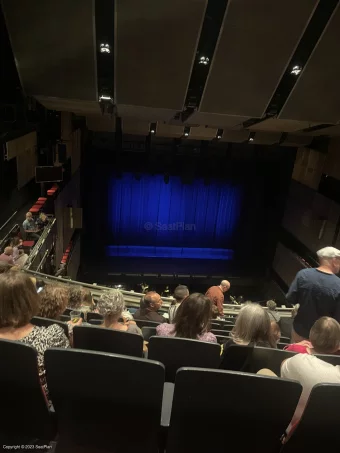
pixel 35 209
pixel 28 244
pixel 42 199
pixel 50 192
pixel 40 203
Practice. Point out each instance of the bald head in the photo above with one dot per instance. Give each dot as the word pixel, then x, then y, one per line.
pixel 152 301
pixel 8 251
pixel 225 285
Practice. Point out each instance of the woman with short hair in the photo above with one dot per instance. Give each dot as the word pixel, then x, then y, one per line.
pixel 192 320
pixel 54 299
pixel 19 302
pixel 111 306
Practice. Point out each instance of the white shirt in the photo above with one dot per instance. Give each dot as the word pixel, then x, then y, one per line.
pixel 309 370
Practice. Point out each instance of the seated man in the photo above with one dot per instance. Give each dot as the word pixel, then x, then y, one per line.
pixel 152 302
pixel 30 227
pixel 7 256
pixel 308 369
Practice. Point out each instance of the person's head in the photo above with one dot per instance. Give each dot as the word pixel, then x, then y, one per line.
pixel 252 325
pixel 325 335
pixel 152 301
pixel 271 304
pixel 4 267
pixel 193 316
pixel 54 299
pixel 79 297
pixel 29 216
pixel 111 305
pixel 224 285
pixel 8 251
pixel 42 216
pixel 19 300
pixel 16 242
pixel 275 331
pixel 330 257
pixel 180 293
pixel 214 312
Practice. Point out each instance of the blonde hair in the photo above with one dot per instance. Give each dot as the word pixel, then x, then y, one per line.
pixel 252 326
pixel 325 335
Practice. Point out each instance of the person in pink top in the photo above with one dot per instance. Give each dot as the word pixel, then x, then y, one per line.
pixel 192 320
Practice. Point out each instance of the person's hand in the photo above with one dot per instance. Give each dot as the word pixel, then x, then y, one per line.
pixel 306 343
pixel 78 323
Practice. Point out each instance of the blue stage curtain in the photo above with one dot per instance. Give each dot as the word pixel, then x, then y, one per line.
pixel 149 212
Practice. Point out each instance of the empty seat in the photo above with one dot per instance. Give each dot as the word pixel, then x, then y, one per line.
pixel 219 332
pixel 107 340
pixel 148 332
pixel 144 323
pixel 45 322
pixel 319 426
pixel 215 325
pixel 236 358
pixel 90 316
pixel 268 358
pixel 24 411
pixel 175 353
pixel 220 411
pixel 105 402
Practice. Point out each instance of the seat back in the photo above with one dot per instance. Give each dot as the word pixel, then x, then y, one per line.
pixel 90 316
pixel 213 409
pixel 319 426
pixel 107 340
pixel 215 325
pixel 219 332
pixel 67 312
pixel 333 359
pixel 175 353
pixel 268 358
pixel 285 340
pixel 105 401
pixel 144 323
pixel 45 322
pixel 236 358
pixel 148 332
pixel 24 411
pixel 221 339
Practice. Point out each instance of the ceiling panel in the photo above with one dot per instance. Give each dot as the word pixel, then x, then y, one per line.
pixel 167 130
pixel 202 133
pixel 155 50
pixel 316 95
pixel 53 45
pixel 145 113
pixel 215 120
pixel 135 127
pixel 296 140
pixel 256 43
pixel 235 136
pixel 331 131
pixel 266 138
pixel 70 105
pixel 277 125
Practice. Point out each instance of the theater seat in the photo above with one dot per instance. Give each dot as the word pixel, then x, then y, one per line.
pixel 222 411
pixel 236 358
pixel 144 323
pixel 45 322
pixel 175 353
pixel 268 358
pixel 24 411
pixel 318 430
pixel 107 340
pixel 148 332
pixel 105 402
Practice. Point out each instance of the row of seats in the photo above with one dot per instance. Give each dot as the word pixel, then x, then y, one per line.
pixel 114 403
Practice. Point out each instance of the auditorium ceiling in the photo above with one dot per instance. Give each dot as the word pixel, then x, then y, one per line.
pixel 232 70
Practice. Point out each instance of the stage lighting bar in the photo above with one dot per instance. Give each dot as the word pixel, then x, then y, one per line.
pixel 187 131
pixel 219 134
pixel 153 128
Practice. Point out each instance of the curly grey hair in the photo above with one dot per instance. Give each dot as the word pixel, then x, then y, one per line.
pixel 111 303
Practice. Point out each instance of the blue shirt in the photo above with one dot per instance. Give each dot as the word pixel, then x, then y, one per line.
pixel 29 225
pixel 318 294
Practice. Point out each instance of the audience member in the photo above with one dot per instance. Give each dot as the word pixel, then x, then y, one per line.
pixel 308 369
pixel 42 221
pixel 19 256
pixel 192 320
pixel 216 295
pixel 275 332
pixel 7 256
pixel 111 306
pixel 252 327
pixel 30 227
pixel 317 291
pixel 151 303
pixel 273 314
pixel 54 299
pixel 180 293
pixel 80 299
pixel 5 267
pixel 19 302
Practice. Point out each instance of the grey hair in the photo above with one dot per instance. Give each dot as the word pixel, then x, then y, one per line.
pixel 271 304
pixel 252 325
pixel 225 283
pixel 181 291
pixel 111 303
pixel 328 253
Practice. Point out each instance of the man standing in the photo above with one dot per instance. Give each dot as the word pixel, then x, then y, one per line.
pixel 216 295
pixel 30 227
pixel 151 304
pixel 317 291
pixel 7 256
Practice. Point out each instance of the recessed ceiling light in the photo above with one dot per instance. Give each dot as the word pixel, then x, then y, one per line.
pixel 204 60
pixel 105 48
pixel 296 70
pixel 186 134
pixel 186 131
pixel 219 137
pixel 152 131
pixel 105 97
pixel 251 139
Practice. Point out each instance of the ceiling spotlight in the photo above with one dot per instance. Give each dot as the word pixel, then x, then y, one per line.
pixel 296 70
pixel 251 139
pixel 204 60
pixel 186 131
pixel 153 128
pixel 105 48
pixel 219 134
pixel 105 97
